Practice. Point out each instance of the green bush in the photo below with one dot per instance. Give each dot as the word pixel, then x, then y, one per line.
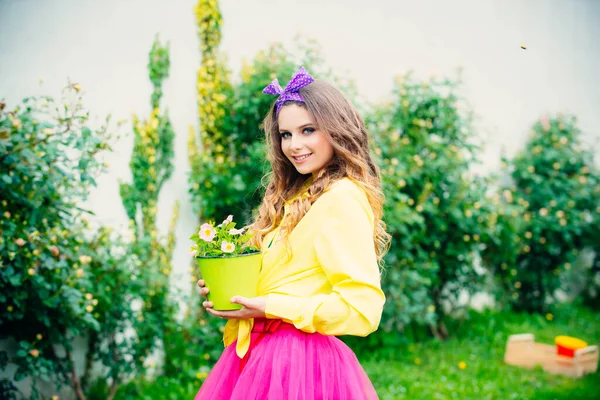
pixel 502 244
pixel 434 207
pixel 591 289
pixel 113 284
pixel 61 278
pixel 55 271
pixel 549 208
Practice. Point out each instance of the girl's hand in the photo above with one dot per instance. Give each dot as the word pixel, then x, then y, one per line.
pixel 252 307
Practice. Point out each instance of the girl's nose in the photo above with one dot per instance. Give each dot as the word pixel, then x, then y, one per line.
pixel 296 142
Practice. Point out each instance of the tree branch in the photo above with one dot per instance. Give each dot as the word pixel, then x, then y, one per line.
pixel 75 379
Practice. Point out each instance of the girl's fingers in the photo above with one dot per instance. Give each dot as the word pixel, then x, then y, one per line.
pixel 204 291
pixel 220 314
pixel 213 312
pixel 201 283
pixel 228 314
pixel 240 300
pixel 207 304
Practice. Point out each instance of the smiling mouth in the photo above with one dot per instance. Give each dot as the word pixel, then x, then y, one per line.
pixel 301 158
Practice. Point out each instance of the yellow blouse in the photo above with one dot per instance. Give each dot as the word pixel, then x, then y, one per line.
pixel 331 282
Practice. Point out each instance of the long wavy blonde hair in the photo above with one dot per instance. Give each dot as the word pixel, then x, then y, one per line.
pixel 337 118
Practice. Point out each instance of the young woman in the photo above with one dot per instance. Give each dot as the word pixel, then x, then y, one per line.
pixel 321 233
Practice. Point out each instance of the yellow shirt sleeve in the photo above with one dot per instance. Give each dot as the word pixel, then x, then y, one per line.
pixel 344 247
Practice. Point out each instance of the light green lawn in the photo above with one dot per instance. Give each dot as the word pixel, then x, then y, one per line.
pixel 431 370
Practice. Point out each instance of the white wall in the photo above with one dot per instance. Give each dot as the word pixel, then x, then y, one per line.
pixel 103 45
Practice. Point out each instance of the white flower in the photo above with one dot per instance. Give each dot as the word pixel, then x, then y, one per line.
pixel 227 220
pixel 234 231
pixel 207 232
pixel 193 252
pixel 227 247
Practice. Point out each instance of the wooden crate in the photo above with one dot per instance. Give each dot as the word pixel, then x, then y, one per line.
pixel 523 351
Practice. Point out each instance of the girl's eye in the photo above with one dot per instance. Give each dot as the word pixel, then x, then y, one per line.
pixel 308 130
pixel 284 135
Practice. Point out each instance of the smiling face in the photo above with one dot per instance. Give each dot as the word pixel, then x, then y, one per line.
pixel 303 144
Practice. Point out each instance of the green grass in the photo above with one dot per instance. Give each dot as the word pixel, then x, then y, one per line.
pixel 430 370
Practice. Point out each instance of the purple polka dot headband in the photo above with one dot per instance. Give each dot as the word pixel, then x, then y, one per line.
pixel 300 79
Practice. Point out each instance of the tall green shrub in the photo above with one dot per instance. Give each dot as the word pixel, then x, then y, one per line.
pixel 60 279
pixel 553 192
pixel 210 154
pixel 434 207
pixel 151 166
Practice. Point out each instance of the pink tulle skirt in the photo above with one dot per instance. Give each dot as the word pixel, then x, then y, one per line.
pixel 287 364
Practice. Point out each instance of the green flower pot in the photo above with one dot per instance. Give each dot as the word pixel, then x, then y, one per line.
pixel 230 276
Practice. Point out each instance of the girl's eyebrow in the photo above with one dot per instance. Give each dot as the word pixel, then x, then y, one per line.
pixel 300 127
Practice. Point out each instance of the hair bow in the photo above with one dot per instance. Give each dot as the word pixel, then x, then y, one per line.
pixel 300 79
